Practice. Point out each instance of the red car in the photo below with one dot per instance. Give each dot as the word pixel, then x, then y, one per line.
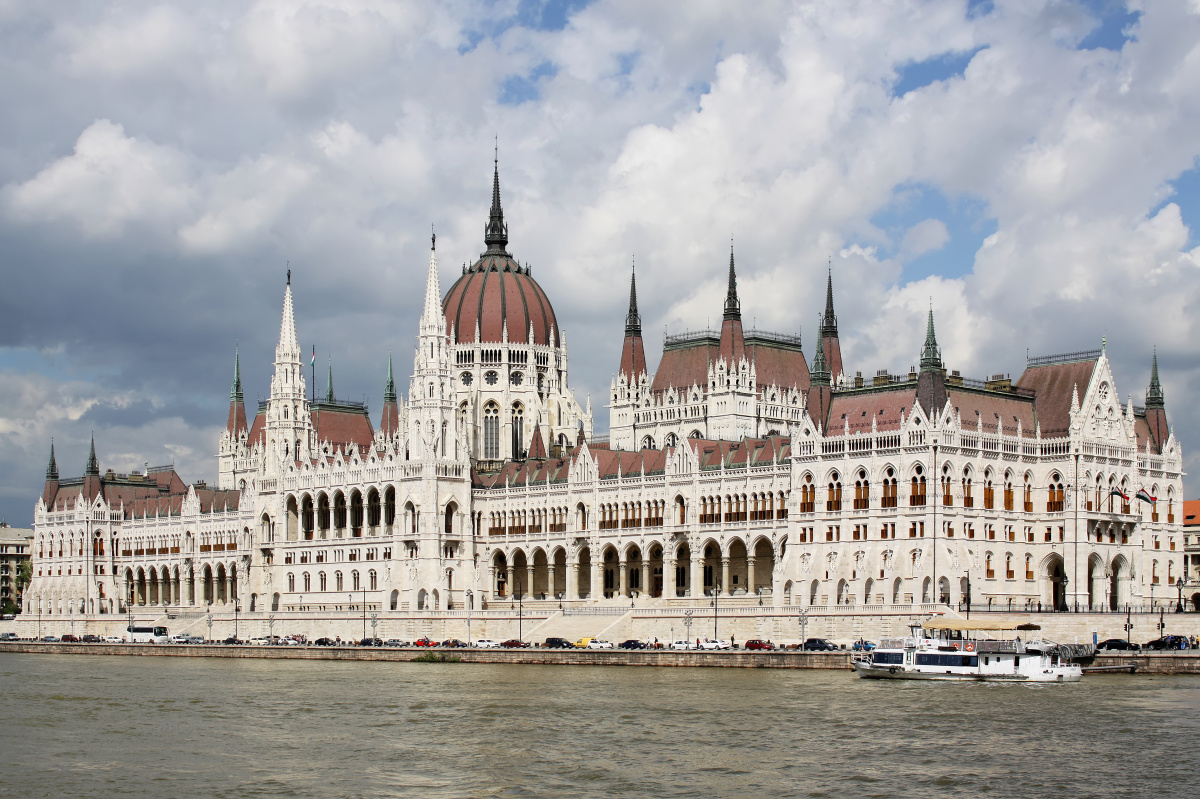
pixel 755 643
pixel 513 643
pixel 70 639
pixel 425 642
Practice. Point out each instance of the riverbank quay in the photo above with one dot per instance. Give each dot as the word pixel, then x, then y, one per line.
pixel 1143 663
pixel 539 657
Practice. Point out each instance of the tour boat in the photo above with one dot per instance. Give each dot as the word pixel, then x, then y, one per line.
pixel 952 649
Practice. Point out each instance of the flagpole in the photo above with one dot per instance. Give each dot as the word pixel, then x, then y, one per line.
pixel 313 364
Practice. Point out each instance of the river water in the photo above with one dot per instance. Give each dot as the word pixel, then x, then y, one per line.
pixel 166 727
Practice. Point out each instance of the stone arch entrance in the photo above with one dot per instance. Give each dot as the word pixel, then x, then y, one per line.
pixel 1054 586
pixel 1118 576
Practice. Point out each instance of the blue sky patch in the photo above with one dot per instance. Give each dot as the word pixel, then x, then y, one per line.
pixel 966 220
pixel 1187 197
pixel 916 74
pixel 518 89
pixel 547 15
pixel 1114 20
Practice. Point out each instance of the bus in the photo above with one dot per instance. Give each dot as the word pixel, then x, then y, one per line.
pixel 146 635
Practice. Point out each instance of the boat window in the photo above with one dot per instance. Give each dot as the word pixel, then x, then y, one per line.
pixel 888 658
pixel 930 659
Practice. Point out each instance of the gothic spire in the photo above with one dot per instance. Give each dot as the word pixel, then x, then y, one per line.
pixel 633 320
pixel 733 306
pixel 819 374
pixel 389 390
pixel 829 320
pixel 288 345
pixel 1154 397
pixel 931 355
pixel 329 384
pixel 496 233
pixel 93 466
pixel 432 315
pixel 235 393
pixel 52 469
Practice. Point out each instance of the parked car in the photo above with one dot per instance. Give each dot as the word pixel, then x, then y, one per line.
pixel 862 645
pixel 50 639
pixel 596 643
pixel 818 645
pixel 582 643
pixel 426 641
pixel 8 636
pixel 632 643
pixel 1167 642
pixel 1116 645
pixel 394 642
pixel 260 642
pixel 558 643
pixel 113 639
pixel 179 638
pixel 453 643
pixel 756 644
pixel 69 639
pixel 682 645
pixel 371 642
pixel 513 643
pixel 90 639
pixel 196 639
pixel 487 643
pixel 325 642
pixel 233 641
pixel 714 645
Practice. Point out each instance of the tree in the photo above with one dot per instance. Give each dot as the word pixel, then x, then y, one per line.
pixel 24 577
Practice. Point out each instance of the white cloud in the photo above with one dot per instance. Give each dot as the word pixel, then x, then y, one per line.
pixel 108 182
pixel 927 235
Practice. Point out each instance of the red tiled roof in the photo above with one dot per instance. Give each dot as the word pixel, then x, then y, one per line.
pixel 993 408
pixel 633 358
pixel 237 417
pixel 493 291
pixel 341 427
pixel 680 367
pixel 257 431
pixel 1191 512
pixel 1054 386
pixel 857 408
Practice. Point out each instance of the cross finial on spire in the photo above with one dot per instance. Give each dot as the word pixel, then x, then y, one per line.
pixel 496 232
pixel 432 238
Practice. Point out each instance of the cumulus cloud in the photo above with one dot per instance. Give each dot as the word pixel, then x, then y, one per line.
pixel 188 153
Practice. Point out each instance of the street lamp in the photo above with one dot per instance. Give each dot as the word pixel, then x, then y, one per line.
pixel 237 607
pixel 803 625
pixel 365 611
pixel 716 592
pixel 1179 602
pixel 687 620
pixel 520 614
pixel 469 596
pixel 374 621
pixel 208 618
pixel 1065 582
pixel 271 627
pixel 968 595
pixel 1128 624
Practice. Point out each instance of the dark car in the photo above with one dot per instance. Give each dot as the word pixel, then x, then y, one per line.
pixel 325 642
pixel 1167 642
pixel 426 641
pixel 632 643
pixel 231 640
pixel 755 643
pixel 70 639
pixel 513 643
pixel 371 642
pixel 1116 645
pixel 90 639
pixel 558 643
pixel 818 645
pixel 453 643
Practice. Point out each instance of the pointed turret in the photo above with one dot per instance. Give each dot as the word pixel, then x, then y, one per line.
pixel 91 474
pixel 820 394
pixel 537 446
pixel 288 345
pixel 1156 413
pixel 931 382
pixel 830 342
pixel 329 396
pixel 633 353
pixel 496 233
pixel 93 466
pixel 733 343
pixel 236 423
pixel 51 489
pixel 289 428
pixel 390 423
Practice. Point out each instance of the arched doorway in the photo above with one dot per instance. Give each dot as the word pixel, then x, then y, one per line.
pixel 1118 573
pixel 1054 587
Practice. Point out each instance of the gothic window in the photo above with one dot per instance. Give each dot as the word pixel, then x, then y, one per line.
pixel 516 378
pixel 465 378
pixel 518 429
pixel 491 431
pixel 307 582
pixel 337 581
pixel 374 580
pixel 291 582
pixel 354 585
pixel 491 378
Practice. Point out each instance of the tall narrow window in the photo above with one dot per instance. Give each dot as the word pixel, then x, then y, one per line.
pixel 518 429
pixel 491 432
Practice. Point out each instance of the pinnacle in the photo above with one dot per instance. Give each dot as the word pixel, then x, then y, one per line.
pixel 496 232
pixel 733 306
pixel 288 344
pixel 93 466
pixel 829 320
pixel 329 397
pixel 235 393
pixel 1154 397
pixel 931 355
pixel 52 469
pixel 633 320
pixel 389 389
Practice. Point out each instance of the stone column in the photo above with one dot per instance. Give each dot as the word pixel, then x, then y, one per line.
pixel 623 582
pixel 750 576
pixel 724 576
pixel 597 580
pixel 190 584
pixel 669 577
pixel 228 588
pixel 550 589
pixel 573 582
pixel 646 577
pixel 492 580
pixel 528 589
pixel 512 579
pixel 163 597
pixel 696 578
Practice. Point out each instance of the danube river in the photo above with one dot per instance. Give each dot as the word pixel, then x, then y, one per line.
pixel 163 727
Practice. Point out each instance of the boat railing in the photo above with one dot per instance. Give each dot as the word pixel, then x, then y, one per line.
pixel 897 643
pixel 996 647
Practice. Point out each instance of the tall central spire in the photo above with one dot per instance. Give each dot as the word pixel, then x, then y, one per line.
pixel 633 320
pixel 235 393
pixel 289 347
pixel 432 317
pixel 931 354
pixel 829 320
pixel 329 397
pixel 1154 397
pixel 389 389
pixel 496 233
pixel 733 306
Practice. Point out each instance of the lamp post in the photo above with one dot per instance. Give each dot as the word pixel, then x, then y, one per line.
pixel 1162 625
pixel 687 620
pixel 1065 582
pixel 129 627
pixel 803 625
pixel 365 611
pixel 1128 624
pixel 715 594
pixel 470 595
pixel 208 618
pixel 1179 601
pixel 237 607
pixel 271 626
pixel 374 621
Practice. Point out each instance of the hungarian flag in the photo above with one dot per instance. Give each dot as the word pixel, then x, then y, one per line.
pixel 313 362
pixel 1144 496
pixel 1116 492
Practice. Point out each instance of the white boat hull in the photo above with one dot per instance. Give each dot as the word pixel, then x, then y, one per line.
pixel 867 670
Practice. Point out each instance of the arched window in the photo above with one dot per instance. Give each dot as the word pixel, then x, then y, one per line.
pixel 354 582
pixel 916 497
pixel 862 491
pixel 373 580
pixel 321 581
pixel 491 431
pixel 307 582
pixel 1054 494
pixel 291 582
pixel 337 581
pixel 518 430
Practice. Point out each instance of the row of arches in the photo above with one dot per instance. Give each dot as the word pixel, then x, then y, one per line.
pixel 213 584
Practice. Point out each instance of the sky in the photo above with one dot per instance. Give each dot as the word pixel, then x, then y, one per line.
pixel 1027 168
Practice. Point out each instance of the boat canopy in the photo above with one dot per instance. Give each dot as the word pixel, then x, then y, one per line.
pixel 975 624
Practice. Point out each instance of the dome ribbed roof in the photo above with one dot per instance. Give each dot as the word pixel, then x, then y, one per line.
pixel 495 290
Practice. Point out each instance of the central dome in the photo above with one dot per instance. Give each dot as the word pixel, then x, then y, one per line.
pixel 495 290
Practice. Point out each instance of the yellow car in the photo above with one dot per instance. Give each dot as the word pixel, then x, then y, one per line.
pixel 582 643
